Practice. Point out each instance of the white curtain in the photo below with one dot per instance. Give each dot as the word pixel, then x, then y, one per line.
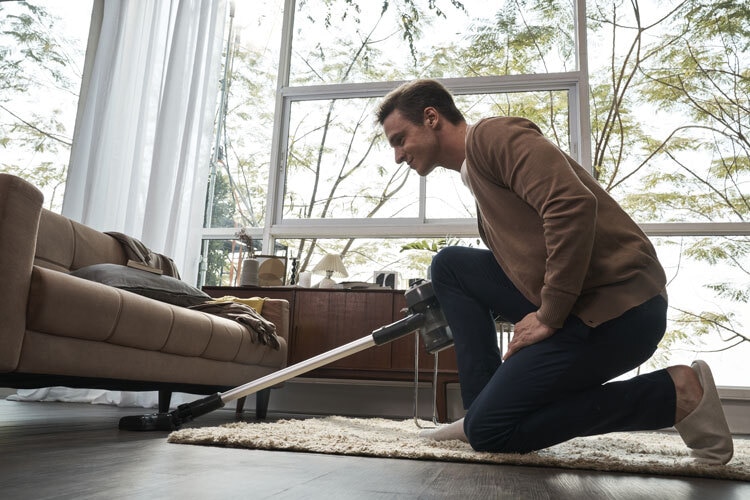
pixel 142 143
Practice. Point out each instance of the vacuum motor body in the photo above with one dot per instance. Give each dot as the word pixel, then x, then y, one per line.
pixel 435 332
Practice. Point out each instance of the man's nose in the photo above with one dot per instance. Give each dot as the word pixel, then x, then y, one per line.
pixel 400 156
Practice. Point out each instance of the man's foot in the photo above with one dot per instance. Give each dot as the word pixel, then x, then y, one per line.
pixel 688 390
pixel 699 417
pixel 454 430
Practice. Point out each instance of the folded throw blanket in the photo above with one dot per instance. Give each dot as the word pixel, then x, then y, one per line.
pixel 254 302
pixel 261 330
pixel 137 251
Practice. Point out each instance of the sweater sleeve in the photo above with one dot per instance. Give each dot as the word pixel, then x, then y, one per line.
pixel 518 156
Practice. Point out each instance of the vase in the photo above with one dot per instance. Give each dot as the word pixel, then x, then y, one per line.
pixel 249 273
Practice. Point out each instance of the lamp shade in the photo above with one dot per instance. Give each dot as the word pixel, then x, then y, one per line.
pixel 332 266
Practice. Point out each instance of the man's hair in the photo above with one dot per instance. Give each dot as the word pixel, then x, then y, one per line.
pixel 412 98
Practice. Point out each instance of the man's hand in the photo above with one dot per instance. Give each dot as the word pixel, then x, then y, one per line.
pixel 526 332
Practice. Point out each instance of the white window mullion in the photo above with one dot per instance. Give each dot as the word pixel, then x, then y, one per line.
pixel 583 125
pixel 280 138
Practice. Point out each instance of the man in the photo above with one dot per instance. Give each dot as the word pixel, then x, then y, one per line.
pixel 574 273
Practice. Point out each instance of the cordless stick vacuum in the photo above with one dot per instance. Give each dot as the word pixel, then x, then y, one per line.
pixel 424 315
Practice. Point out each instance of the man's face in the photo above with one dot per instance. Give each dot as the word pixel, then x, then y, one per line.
pixel 417 145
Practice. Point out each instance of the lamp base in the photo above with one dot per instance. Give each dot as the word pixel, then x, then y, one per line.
pixel 327 283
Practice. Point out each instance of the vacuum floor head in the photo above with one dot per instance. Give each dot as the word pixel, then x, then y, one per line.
pixel 152 422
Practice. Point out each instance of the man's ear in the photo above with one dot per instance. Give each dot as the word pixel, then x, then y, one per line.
pixel 431 116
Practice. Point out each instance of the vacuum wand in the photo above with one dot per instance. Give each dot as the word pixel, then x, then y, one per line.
pixel 425 316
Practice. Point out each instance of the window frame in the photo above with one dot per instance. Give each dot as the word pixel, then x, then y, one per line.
pixel 575 83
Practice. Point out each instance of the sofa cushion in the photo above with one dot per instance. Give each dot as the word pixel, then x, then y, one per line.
pixel 66 245
pixel 62 306
pixel 154 286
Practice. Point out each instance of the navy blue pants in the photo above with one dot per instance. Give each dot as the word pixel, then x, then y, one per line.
pixel 556 389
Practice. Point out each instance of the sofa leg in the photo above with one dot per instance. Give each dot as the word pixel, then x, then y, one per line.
pixel 261 403
pixel 240 405
pixel 165 397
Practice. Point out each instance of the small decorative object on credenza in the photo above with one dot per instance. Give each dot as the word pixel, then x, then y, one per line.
pixel 305 279
pixel 272 270
pixel 387 279
pixel 294 273
pixel 249 269
pixel 331 266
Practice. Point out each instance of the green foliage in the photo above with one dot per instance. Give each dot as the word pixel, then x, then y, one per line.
pixel 224 208
pixel 732 293
pixel 37 60
pixel 513 43
pixel 354 54
pixel 691 327
pixel 218 251
pixel 431 245
pixel 247 139
pixel 27 48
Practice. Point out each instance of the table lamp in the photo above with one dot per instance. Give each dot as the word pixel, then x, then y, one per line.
pixel 332 266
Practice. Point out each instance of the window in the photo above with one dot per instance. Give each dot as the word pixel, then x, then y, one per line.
pixel 359 42
pixel 708 317
pixel 339 166
pixel 667 101
pixel 42 47
pixel 330 173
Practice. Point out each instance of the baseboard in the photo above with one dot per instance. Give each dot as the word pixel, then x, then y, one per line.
pixel 364 398
pixel 736 403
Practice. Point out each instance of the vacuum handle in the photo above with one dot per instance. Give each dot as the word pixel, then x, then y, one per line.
pixel 391 332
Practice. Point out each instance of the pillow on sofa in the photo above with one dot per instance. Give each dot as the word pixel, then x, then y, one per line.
pixel 155 286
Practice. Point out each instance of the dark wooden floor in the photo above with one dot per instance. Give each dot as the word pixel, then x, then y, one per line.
pixel 66 450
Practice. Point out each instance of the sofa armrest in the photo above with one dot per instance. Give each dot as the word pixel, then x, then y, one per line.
pixel 277 312
pixel 20 208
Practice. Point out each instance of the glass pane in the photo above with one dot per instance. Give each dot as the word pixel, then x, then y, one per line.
pixel 42 47
pixel 237 195
pixel 668 121
pixel 344 41
pixel 365 258
pixel 708 286
pixel 222 260
pixel 340 166
pixel 447 197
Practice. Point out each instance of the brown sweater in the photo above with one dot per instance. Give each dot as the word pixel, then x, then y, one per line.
pixel 562 240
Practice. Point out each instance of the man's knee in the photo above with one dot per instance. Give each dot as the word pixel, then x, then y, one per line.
pixel 446 260
pixel 485 435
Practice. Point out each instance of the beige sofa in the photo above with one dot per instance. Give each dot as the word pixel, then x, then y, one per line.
pixel 60 330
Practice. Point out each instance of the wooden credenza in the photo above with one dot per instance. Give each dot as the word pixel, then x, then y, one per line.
pixel 323 319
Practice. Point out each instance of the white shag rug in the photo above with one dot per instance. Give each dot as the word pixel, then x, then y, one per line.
pixel 637 452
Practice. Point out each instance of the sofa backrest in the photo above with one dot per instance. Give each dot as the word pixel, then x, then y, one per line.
pixel 65 245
